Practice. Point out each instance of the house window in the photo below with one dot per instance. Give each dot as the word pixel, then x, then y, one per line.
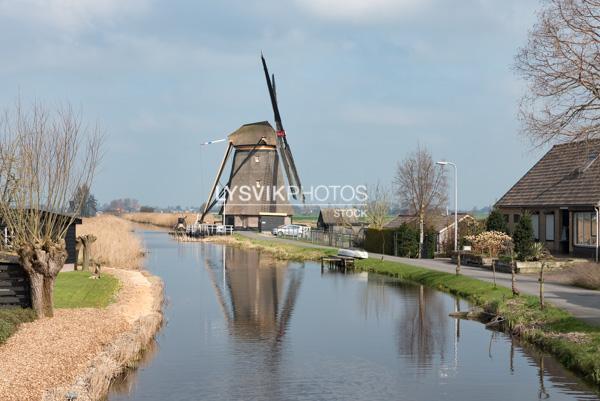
pixel 585 228
pixel 535 225
pixel 256 159
pixel 516 218
pixel 258 183
pixel 550 227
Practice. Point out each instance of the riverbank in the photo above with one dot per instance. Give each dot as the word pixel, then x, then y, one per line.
pixel 278 249
pixel 79 351
pixel 574 343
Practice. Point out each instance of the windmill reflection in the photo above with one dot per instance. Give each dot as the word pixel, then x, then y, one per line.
pixel 257 294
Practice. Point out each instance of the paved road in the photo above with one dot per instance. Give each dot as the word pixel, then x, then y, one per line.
pixel 581 303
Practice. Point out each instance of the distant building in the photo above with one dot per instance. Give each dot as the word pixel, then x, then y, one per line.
pixel 561 192
pixel 340 220
pixel 442 224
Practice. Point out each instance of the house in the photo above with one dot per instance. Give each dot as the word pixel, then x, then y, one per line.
pixel 561 192
pixel 70 236
pixel 443 224
pixel 346 220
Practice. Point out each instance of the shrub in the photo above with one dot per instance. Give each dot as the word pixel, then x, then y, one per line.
pixel 523 237
pixel 407 241
pixel 429 243
pixel 496 222
pixel 374 237
pixel 489 243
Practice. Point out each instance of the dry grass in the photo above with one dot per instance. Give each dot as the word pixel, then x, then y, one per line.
pixel 584 275
pixel 116 244
pixel 160 219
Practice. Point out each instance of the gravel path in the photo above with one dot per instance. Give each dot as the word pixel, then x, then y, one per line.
pixel 50 353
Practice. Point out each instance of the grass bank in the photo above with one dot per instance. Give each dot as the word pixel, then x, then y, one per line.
pixel 73 290
pixel 574 343
pixel 277 249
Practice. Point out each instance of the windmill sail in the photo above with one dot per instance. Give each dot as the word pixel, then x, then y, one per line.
pixel 282 145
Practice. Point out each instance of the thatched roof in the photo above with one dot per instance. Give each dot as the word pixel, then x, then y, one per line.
pixel 335 216
pixel 568 175
pixel 251 134
pixel 437 221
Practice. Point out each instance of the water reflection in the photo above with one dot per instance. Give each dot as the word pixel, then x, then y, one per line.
pixel 243 326
pixel 257 294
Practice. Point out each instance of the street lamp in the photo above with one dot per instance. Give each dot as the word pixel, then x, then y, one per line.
pixel 444 163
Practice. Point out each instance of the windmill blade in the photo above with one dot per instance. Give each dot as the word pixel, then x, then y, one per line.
pixel 278 124
pixel 282 145
pixel 293 177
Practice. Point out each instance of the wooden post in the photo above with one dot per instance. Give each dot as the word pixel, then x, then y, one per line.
pixel 541 280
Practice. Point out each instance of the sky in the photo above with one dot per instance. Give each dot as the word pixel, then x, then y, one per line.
pixel 361 83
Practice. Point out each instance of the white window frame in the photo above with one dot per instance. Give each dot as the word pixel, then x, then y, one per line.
pixel 550 226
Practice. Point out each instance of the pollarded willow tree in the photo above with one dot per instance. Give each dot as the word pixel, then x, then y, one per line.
pixel 44 157
pixel 561 64
pixel 421 187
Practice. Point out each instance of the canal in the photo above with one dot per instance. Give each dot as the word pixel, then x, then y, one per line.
pixel 242 326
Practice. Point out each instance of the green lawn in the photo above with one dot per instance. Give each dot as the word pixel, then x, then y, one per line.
pixel 78 290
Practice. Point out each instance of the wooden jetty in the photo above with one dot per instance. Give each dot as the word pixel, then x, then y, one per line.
pixel 337 263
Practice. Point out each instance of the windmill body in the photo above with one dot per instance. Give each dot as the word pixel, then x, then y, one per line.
pixel 256 194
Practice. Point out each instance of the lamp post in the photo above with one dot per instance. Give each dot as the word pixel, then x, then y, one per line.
pixel 444 163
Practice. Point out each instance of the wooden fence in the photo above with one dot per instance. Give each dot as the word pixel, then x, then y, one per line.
pixel 14 284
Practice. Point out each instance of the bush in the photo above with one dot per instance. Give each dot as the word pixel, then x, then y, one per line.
pixel 374 237
pixel 523 237
pixel 489 243
pixel 407 239
pixel 496 222
pixel 429 243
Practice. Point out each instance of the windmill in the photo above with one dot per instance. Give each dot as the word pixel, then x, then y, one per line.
pixel 256 195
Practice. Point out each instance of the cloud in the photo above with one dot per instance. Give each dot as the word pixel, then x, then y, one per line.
pixel 69 15
pixel 362 10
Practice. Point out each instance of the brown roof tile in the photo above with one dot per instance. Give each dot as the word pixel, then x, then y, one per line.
pixel 568 175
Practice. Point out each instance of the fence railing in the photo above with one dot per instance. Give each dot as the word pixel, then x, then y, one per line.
pixel 329 238
pixel 197 229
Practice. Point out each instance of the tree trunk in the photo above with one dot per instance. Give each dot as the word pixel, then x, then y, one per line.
pixel 513 274
pixel 36 282
pixel 42 262
pixel 86 257
pixel 49 296
pixel 86 241
pixel 421 233
pixel 382 243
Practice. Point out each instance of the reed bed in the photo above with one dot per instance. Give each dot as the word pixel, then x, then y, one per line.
pixel 116 243
pixel 160 219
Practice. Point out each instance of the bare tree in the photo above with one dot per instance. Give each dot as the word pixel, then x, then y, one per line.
pixel 377 210
pixel 421 187
pixel 44 157
pixel 561 65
